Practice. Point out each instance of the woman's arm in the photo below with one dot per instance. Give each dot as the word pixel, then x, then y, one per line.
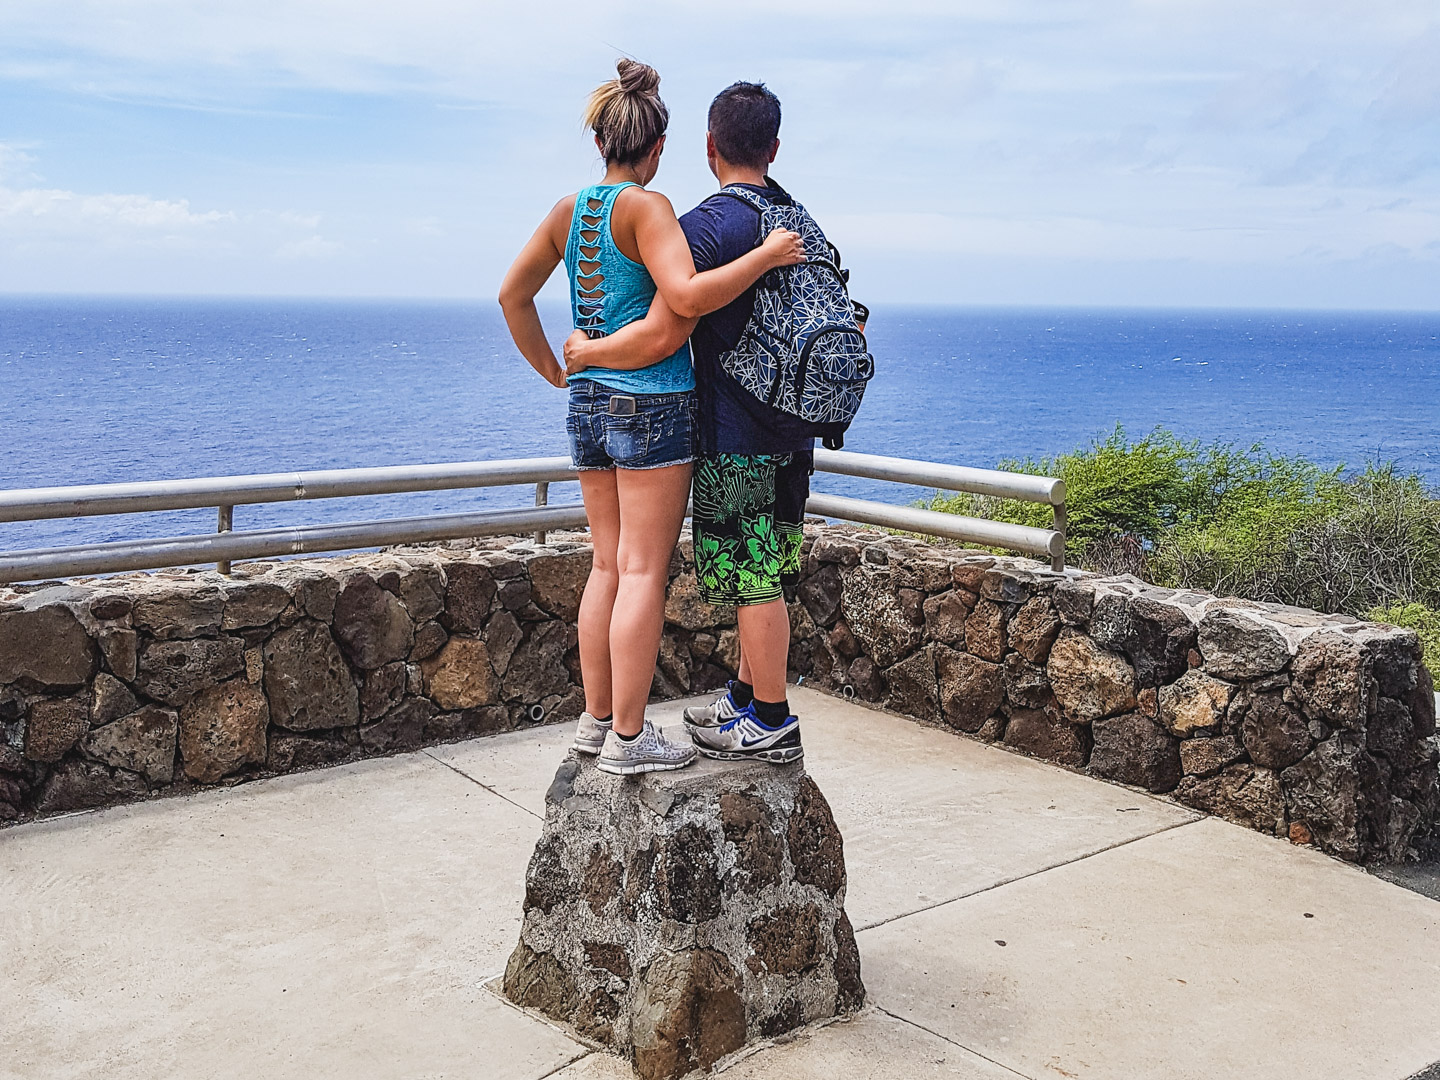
pixel 666 255
pixel 527 275
pixel 639 344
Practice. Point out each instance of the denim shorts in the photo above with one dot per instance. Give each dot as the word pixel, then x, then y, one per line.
pixel 659 433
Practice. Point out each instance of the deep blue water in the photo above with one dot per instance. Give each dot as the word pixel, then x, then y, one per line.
pixel 108 390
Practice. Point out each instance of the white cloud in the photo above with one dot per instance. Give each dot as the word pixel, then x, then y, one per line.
pixel 1099 130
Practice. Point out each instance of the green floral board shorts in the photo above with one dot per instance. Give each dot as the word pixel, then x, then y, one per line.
pixel 746 522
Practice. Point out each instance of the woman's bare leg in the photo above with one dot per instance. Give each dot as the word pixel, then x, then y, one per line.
pixel 602 507
pixel 652 508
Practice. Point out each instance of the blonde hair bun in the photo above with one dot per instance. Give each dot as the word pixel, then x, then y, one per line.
pixel 637 78
pixel 626 113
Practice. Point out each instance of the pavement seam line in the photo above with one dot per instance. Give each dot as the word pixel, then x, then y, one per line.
pixel 952 1042
pixel 487 787
pixel 561 1068
pixel 1032 873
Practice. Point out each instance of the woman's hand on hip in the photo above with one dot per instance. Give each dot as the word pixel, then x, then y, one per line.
pixel 575 352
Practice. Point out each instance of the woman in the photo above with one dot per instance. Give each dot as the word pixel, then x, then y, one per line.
pixel 630 430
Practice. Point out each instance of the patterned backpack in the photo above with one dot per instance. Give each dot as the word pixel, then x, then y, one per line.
pixel 802 350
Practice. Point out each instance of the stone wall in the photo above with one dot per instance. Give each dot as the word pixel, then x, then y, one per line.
pixel 1321 728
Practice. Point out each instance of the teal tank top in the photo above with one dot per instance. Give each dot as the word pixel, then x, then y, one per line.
pixel 609 290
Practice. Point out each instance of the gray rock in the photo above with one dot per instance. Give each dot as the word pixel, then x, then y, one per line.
pixel 307 681
pixel 181 610
pixel 110 699
pixel 45 647
pixel 82 785
pixel 537 668
pixel 912 686
pixel 222 730
pixel 430 638
pixel 1337 793
pixel 985 630
pixel 1074 602
pixel 865 678
pixel 1134 749
pixel 1089 682
pixel 253 603
pixel 558 580
pixel 172 671
pixel 1238 645
pixel 1026 684
pixel 1154 635
pixel 820 593
pixel 876 617
pixel 1033 629
pixel 1195 702
pixel 1275 735
pixel 1043 734
pixel 1244 794
pixel 1331 677
pixel 121 649
pixel 143 742
pixel 502 636
pixel 676 917
pixel 945 616
pixel 372 624
pixel 1206 757
pixel 382 690
pixel 53 726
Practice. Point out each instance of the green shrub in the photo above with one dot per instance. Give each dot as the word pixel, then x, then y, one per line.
pixel 1238 522
pixel 1423 620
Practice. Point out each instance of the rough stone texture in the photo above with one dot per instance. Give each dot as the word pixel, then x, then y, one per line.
pixel 1089 681
pixel 1236 645
pixel 459 676
pixel 1195 702
pixel 1134 749
pixel 222 729
pixel 1033 629
pixel 372 654
pixel 172 671
pixel 1244 794
pixel 971 689
pixel 110 699
pixel 53 726
pixel 143 742
pixel 372 624
pixel 1155 637
pixel 306 679
pixel 676 917
pixel 1206 757
pixel 1044 734
pixel 45 647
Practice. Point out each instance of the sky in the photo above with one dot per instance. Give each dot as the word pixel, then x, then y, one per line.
pixel 1038 152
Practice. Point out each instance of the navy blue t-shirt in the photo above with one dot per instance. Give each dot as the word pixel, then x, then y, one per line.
pixel 731 419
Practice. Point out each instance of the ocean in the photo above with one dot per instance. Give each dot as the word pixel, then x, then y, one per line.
pixel 102 390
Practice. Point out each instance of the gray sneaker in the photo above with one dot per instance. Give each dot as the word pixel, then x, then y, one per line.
pixel 650 751
pixel 590 734
pixel 713 715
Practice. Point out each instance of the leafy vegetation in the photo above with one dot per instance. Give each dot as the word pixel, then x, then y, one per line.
pixel 1242 522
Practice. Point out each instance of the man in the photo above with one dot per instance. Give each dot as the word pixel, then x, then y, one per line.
pixel 752 471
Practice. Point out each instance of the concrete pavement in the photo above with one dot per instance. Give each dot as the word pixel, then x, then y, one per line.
pixel 1014 919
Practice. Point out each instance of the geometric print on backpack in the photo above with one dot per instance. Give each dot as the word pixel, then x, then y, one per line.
pixel 802 350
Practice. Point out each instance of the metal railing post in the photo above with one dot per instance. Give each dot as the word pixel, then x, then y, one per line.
pixel 542 498
pixel 1057 562
pixel 225 524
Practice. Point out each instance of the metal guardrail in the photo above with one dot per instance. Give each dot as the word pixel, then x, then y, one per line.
pixel 226 492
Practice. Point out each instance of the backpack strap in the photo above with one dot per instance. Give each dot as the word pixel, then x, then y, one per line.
pixel 756 202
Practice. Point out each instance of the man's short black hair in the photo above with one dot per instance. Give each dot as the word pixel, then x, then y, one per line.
pixel 745 122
